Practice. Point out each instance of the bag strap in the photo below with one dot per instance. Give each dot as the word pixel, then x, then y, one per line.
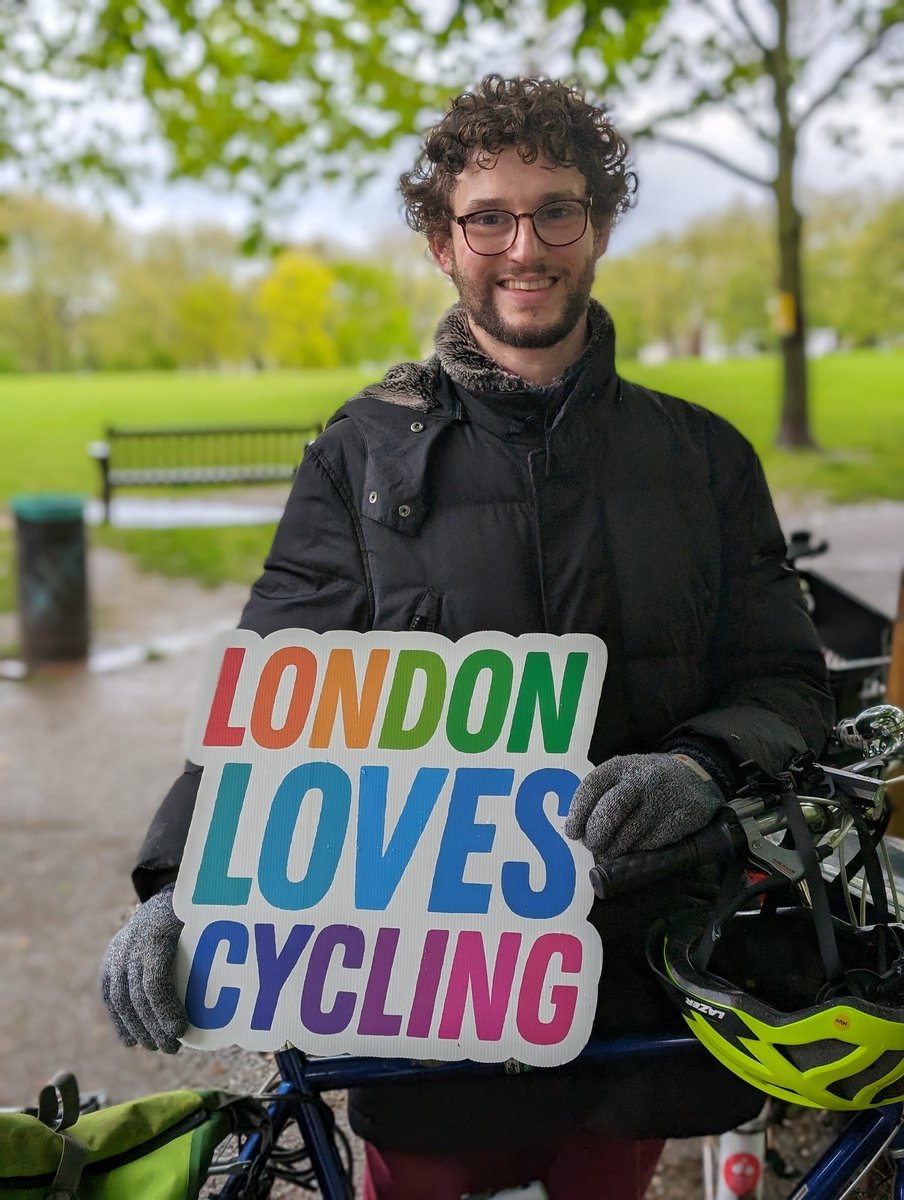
pixel 58 1102
pixel 58 1109
pixel 69 1172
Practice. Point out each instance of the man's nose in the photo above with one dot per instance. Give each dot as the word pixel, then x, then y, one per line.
pixel 526 246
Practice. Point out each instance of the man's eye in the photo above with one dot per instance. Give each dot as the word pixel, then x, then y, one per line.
pixel 488 220
pixel 556 212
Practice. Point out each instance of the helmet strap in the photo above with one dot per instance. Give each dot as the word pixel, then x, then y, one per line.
pixel 725 907
pixel 819 898
pixel 731 899
pixel 866 858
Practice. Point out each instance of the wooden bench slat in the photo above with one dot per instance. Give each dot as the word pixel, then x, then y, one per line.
pixel 153 476
pixel 198 454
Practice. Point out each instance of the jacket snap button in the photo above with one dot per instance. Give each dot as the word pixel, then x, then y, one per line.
pixel 417 426
pixel 404 510
pixel 372 497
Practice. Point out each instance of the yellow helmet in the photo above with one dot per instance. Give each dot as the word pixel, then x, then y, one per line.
pixel 759 1000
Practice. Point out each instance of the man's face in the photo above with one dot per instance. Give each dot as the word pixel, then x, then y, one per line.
pixel 531 295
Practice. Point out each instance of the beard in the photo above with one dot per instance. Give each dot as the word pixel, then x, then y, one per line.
pixel 478 301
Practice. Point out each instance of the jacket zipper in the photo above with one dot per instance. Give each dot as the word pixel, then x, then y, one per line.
pixel 533 459
pixel 426 615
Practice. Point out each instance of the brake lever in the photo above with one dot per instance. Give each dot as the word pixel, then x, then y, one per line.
pixel 760 817
pixel 750 812
pixel 777 858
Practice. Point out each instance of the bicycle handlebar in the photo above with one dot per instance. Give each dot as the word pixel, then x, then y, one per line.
pixel 719 842
pixel 741 829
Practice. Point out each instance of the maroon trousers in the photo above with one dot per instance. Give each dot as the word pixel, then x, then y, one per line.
pixel 585 1167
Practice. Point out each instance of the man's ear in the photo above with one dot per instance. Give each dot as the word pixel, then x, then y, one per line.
pixel 441 249
pixel 601 239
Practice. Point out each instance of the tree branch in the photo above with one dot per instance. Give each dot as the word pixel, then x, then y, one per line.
pixel 743 19
pixel 682 144
pixel 872 46
pixel 717 17
pixel 830 35
pixel 707 96
pixel 741 14
pixel 747 118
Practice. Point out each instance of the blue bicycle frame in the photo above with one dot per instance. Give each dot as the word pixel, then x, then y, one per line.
pixel 304 1080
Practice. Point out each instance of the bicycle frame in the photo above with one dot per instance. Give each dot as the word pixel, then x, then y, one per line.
pixel 304 1080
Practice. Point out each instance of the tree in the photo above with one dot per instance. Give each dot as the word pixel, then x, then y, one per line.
pixel 298 302
pixel 773 66
pixel 174 298
pixel 680 290
pixel 731 263
pixel 855 264
pixel 55 262
pixel 55 126
pixel 78 291
pixel 374 323
pixel 265 97
pixel 211 332
pixel 258 95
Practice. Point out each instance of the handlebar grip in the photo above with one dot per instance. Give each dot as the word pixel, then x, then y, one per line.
pixel 719 841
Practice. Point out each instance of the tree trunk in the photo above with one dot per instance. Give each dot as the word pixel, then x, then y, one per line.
pixel 794 428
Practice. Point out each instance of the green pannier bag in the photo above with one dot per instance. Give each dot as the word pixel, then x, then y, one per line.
pixel 154 1148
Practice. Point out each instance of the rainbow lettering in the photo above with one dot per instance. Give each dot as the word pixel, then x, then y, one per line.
pixel 376 861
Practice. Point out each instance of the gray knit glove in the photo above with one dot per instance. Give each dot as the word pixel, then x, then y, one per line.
pixel 138 977
pixel 640 802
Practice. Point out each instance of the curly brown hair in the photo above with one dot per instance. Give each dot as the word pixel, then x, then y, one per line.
pixel 540 118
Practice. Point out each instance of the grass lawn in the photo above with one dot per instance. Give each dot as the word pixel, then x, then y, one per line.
pixel 856 414
pixel 48 420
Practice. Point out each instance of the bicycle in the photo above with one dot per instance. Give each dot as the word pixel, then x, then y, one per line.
pixel 837 798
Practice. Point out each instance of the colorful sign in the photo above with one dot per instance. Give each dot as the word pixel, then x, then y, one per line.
pixel 376 863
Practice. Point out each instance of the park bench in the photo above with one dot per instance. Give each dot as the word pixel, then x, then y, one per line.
pixel 220 455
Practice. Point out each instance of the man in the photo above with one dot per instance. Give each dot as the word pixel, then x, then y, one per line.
pixel 514 482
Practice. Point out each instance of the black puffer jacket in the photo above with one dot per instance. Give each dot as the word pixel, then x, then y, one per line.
pixel 448 499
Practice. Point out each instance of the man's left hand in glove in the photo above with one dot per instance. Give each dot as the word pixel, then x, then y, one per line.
pixel 641 802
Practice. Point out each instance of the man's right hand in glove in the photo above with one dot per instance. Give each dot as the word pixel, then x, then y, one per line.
pixel 138 977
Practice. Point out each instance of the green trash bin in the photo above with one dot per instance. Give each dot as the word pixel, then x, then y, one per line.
pixel 53 578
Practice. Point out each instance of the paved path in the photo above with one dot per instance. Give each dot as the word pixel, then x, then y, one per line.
pixel 84 761
pixel 866 545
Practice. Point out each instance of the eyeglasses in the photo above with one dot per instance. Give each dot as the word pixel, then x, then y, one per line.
pixel 493 231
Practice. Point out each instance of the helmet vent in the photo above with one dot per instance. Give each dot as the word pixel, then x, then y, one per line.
pixel 888 1095
pixel 815 1054
pixel 848 1088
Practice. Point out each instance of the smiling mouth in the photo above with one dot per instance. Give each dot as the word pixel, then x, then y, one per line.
pixel 527 285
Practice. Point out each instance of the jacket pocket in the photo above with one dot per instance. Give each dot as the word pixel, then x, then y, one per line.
pixel 427 613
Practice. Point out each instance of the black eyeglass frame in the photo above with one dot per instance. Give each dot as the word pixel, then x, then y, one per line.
pixel 586 203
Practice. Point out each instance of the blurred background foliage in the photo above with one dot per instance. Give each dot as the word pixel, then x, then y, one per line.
pixel 81 292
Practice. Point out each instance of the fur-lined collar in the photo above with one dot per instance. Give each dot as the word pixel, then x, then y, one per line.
pixel 463 360
pixel 413 384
